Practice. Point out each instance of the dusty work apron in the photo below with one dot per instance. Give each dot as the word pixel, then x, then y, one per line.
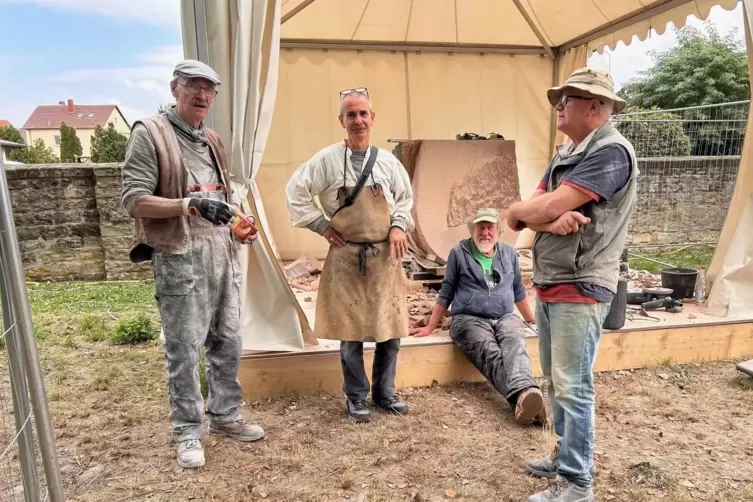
pixel 362 290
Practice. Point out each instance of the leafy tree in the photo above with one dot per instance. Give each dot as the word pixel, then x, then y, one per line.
pixel 10 133
pixel 702 69
pixel 655 134
pixel 39 153
pixel 108 145
pixel 70 144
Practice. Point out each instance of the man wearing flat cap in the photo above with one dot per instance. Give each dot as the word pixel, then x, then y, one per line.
pixel 580 213
pixel 176 187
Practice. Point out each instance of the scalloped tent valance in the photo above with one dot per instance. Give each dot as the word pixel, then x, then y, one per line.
pixel 532 25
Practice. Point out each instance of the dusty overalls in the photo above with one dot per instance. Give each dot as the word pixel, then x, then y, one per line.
pixel 199 302
pixel 362 295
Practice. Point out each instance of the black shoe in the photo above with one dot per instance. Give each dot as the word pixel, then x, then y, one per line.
pixel 357 410
pixel 392 404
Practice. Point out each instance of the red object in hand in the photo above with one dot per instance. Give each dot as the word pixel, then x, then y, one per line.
pixel 243 226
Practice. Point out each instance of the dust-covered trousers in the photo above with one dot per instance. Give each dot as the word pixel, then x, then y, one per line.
pixel 497 348
pixel 199 302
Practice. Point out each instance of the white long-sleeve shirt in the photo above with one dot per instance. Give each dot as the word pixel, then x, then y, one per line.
pixel 322 176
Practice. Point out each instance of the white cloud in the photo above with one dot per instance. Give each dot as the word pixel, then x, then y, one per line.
pixel 159 12
pixel 120 75
pixel 163 55
pixel 133 114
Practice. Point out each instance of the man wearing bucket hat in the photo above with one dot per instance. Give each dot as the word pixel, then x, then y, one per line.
pixel 580 213
pixel 175 186
pixel 483 282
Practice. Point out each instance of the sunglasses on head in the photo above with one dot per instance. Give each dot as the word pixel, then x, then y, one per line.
pixel 358 90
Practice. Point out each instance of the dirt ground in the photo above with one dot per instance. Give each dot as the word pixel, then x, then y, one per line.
pixel 674 433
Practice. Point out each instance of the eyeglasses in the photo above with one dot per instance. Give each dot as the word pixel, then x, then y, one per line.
pixel 565 98
pixel 358 90
pixel 195 89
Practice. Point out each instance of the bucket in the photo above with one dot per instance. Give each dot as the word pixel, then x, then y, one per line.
pixel 680 280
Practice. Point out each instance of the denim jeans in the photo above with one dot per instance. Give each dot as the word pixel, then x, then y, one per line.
pixel 569 335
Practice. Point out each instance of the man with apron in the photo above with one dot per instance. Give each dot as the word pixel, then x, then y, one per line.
pixel 175 186
pixel 366 200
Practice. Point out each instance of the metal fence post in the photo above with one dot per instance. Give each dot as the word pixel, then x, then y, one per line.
pixel 20 396
pixel 18 301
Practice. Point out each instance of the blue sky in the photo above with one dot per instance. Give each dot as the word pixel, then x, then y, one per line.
pixel 93 51
pixel 122 52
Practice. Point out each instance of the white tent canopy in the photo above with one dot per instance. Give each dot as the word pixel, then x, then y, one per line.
pixel 540 25
pixel 434 68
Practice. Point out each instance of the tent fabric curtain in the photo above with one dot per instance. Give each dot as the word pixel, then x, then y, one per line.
pixel 243 46
pixel 730 275
pixel 567 62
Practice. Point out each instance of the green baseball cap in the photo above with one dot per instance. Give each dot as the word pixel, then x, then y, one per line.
pixel 486 214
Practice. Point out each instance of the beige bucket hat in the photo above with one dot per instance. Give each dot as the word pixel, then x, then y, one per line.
pixel 596 83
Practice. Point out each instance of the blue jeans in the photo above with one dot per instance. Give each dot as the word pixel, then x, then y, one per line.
pixel 569 335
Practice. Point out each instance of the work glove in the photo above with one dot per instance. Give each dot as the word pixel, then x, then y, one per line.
pixel 214 211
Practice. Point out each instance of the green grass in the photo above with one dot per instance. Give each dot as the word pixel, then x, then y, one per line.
pixel 686 257
pixel 66 298
pixel 72 314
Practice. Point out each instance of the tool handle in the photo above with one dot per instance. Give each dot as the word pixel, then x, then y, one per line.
pixel 656 304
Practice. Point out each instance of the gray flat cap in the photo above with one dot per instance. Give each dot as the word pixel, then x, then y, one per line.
pixel 196 69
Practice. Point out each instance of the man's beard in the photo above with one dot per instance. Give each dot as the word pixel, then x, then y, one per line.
pixel 484 247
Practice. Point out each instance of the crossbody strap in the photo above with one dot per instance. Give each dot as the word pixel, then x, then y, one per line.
pixel 362 180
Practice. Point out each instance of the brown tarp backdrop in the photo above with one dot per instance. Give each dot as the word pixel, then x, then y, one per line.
pixel 434 68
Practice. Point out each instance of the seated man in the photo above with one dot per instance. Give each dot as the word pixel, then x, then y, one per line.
pixel 482 281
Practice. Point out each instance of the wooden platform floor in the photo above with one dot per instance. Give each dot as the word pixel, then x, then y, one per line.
pixel 690 336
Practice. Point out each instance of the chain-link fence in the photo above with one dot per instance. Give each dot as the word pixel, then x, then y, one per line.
pixel 29 470
pixel 688 159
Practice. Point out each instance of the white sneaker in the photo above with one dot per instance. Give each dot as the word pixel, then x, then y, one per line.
pixel 190 454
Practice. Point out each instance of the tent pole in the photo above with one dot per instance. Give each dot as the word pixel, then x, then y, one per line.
pixel 382 46
pixel 534 28
pixel 295 10
pixel 553 116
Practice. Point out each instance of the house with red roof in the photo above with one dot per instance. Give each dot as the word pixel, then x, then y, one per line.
pixel 4 123
pixel 45 120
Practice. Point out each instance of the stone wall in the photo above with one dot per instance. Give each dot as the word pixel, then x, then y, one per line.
pixel 682 199
pixel 69 222
pixel 71 226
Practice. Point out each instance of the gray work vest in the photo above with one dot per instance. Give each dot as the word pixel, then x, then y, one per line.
pixel 591 255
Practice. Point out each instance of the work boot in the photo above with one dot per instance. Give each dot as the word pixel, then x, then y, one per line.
pixel 545 467
pixel 357 410
pixel 238 430
pixel 561 490
pixel 529 406
pixel 190 454
pixel 392 404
